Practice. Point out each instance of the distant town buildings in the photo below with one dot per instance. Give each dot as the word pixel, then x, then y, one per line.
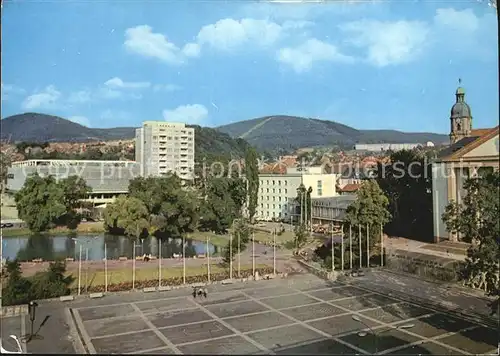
pixel 165 147
pixel 381 147
pixel 471 154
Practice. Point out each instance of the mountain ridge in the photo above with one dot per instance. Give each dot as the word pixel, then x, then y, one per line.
pixel 293 132
pixel 276 133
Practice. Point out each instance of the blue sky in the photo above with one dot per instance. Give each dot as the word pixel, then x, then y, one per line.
pixel 370 65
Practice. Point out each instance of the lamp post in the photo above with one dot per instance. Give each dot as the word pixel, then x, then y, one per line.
pixel 159 263
pixel 376 335
pixel 231 256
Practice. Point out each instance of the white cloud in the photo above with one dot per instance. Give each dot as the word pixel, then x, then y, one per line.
pixel 80 97
pixel 191 114
pixel 143 41
pixel 463 21
pixel 9 90
pixel 191 50
pixel 302 57
pixel 47 98
pixel 82 120
pixel 388 43
pixel 117 83
pixel 166 87
pixel 227 34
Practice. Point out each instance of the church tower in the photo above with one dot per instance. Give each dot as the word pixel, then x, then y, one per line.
pixel 461 117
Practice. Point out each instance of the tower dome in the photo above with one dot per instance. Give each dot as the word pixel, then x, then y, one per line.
pixel 460 109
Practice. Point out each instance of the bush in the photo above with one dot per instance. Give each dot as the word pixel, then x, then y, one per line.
pixel 43 285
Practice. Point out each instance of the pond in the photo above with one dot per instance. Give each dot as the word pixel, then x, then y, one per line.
pixel 49 248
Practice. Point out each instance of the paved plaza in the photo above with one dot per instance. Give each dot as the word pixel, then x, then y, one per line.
pixel 298 315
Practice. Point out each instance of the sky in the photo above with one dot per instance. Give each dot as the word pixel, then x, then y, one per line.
pixel 366 64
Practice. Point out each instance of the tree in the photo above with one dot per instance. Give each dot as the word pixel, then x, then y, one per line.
pixel 252 175
pixel 171 208
pixel 222 203
pixel 303 200
pixel 300 236
pixel 407 182
pixel 477 221
pixel 368 211
pixel 51 283
pixel 17 289
pixel 44 202
pixel 126 215
pixel 40 202
pixel 241 236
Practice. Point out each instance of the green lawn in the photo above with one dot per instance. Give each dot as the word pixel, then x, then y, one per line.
pixel 115 276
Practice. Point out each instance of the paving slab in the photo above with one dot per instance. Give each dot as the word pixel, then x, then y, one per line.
pixel 313 311
pixel 426 348
pixel 163 351
pixel 284 337
pixel 438 324
pixel 163 305
pixel 337 293
pixel 128 343
pixel 309 286
pixel 258 321
pixel 106 312
pixel 234 309
pixel 231 345
pixel 365 302
pixel 396 312
pixel 105 327
pixel 172 318
pixel 287 301
pixel 477 341
pixel 227 297
pixel 341 324
pixel 269 292
pixel 320 347
pixel 195 332
pixel 385 339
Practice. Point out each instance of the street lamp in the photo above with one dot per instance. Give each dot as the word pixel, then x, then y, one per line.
pixel 376 335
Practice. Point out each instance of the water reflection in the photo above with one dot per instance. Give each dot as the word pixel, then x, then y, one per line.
pixel 48 248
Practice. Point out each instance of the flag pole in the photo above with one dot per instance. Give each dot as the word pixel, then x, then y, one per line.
pixel 274 250
pixel 333 254
pixel 239 255
pixel 208 263
pixel 342 247
pixel 350 246
pixel 183 260
pixel 105 269
pixel 159 263
pixel 360 249
pixel 80 271
pixel 253 254
pixel 231 256
pixel 381 245
pixel 133 267
pixel 367 246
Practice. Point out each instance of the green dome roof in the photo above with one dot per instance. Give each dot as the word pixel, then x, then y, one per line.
pixel 460 109
pixel 460 91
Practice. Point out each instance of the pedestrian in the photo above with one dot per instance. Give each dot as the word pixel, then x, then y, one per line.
pixel 194 293
pixel 205 292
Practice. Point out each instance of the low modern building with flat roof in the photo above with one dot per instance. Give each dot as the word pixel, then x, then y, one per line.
pixel 107 179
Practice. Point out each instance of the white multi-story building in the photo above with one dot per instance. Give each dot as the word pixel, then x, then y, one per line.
pixel 165 147
pixel 276 191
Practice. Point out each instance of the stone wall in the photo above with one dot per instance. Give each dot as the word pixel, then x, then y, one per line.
pixel 428 266
pixel 321 273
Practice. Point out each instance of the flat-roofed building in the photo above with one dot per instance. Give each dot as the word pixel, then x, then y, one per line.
pixel 278 191
pixel 165 147
pixel 107 179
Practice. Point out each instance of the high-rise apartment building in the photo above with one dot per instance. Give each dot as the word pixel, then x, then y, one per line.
pixel 165 147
